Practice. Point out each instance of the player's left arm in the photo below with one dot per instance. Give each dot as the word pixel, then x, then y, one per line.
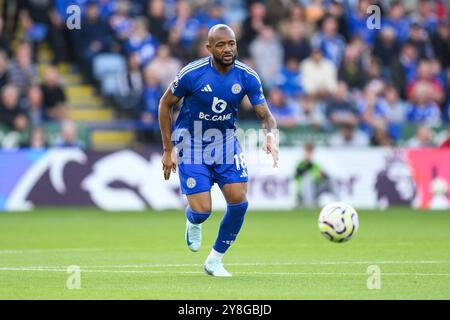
pixel 269 125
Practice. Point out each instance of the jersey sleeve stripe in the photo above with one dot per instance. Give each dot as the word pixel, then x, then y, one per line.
pixel 192 69
pixel 250 72
pixel 189 66
pixel 192 65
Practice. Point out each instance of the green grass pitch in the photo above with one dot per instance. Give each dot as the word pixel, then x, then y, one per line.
pixel 278 255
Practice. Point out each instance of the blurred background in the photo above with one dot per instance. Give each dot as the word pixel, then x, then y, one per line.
pixel 330 81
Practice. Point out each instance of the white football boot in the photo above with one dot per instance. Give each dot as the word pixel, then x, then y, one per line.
pixel 193 236
pixel 214 267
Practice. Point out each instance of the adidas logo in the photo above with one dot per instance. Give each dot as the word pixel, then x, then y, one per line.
pixel 244 174
pixel 207 88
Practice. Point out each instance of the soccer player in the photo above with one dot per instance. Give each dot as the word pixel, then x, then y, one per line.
pixel 212 89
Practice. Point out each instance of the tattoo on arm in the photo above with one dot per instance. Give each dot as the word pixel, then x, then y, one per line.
pixel 267 119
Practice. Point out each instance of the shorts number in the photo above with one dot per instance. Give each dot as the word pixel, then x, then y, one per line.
pixel 240 161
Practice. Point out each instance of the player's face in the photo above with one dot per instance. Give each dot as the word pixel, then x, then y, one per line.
pixel 224 49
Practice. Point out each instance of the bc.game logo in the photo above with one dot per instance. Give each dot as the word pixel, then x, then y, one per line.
pixel 219 105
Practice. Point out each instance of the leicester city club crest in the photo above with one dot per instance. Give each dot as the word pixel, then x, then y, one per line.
pixel 191 183
pixel 236 88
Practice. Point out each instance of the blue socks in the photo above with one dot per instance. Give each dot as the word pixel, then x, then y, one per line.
pixel 230 226
pixel 196 217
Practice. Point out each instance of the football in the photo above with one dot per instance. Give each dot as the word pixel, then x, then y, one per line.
pixel 338 222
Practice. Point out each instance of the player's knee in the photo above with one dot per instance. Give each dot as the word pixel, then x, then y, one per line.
pixel 235 194
pixel 197 217
pixel 200 207
pixel 238 197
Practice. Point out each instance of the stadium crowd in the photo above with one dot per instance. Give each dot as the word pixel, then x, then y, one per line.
pixel 319 62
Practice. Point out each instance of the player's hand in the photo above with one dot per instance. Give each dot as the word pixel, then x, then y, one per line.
pixel 169 163
pixel 270 146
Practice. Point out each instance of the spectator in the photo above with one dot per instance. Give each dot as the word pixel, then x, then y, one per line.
pixel 54 96
pixel 441 44
pixel 35 31
pixel 59 33
pixel 396 107
pixel 403 69
pixel 69 137
pixel 386 48
pixel 213 15
pixel 235 11
pixel 418 37
pixel 397 20
pixel 351 71
pixel 380 136
pixel 11 115
pixel 438 74
pixel 121 22
pixel 331 42
pixel 131 85
pixel 37 140
pixel 252 26
pixel 314 10
pixel 422 139
pixel 198 48
pixel 336 10
pixel 296 45
pixel 373 109
pixel 340 109
pixel 22 72
pixel 428 18
pixel 183 26
pixel 284 111
pixel 396 111
pixel 311 112
pixel 319 75
pixel 349 136
pixel 35 106
pixel 374 71
pixel 141 43
pixel 296 19
pixel 152 94
pixel 424 112
pixel 165 66
pixel 357 22
pixel 156 20
pixel 289 79
pixel 267 54
pixel 95 37
pixel 3 37
pixel 425 84
pixel 4 76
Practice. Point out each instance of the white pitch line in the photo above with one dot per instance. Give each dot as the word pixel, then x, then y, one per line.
pixel 254 264
pixel 24 251
pixel 416 274
pixel 243 264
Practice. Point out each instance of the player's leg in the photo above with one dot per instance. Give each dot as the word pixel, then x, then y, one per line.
pixel 198 210
pixel 195 183
pixel 232 179
pixel 236 197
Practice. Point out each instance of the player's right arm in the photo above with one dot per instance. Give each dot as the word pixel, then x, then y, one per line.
pixel 179 88
pixel 169 158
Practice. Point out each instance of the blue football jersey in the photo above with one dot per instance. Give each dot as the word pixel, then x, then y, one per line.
pixel 211 98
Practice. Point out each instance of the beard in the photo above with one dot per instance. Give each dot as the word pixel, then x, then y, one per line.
pixel 220 60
